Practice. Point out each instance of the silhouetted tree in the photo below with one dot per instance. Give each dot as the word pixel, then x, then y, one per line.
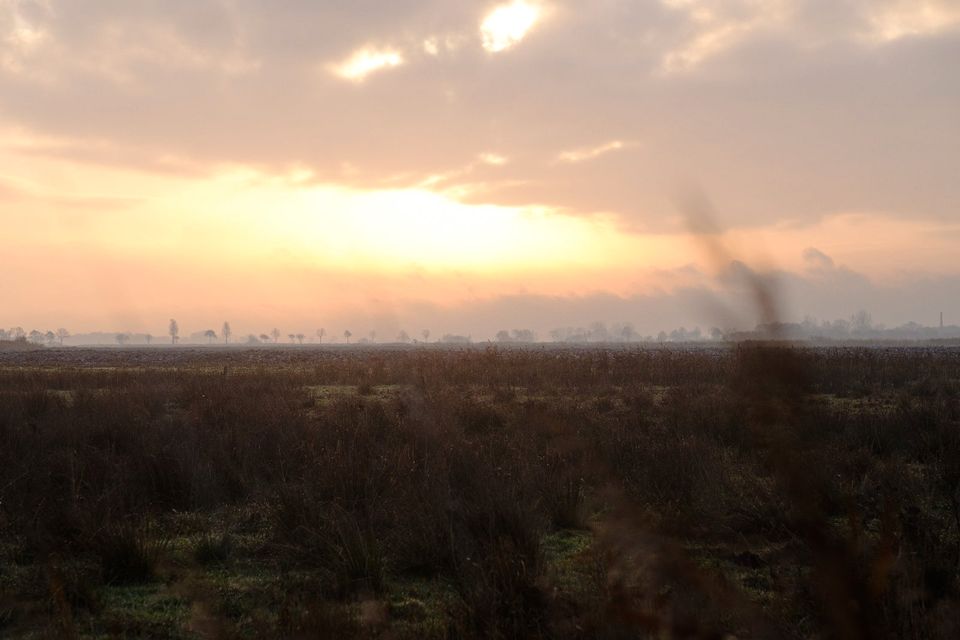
pixel 210 335
pixel 276 334
pixel 264 337
pixel 227 332
pixel 838 328
pixel 292 337
pixel 50 337
pixel 174 331
pixel 36 337
pixel 122 338
pixel 503 336
pixel 149 338
pixel 300 338
pixel 346 335
pixel 16 333
pixel 426 335
pixel 61 334
pixel 320 334
pixel 861 322
pixel 598 332
pixel 403 337
pixel 373 336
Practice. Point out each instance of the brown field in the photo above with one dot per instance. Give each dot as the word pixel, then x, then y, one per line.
pixel 430 492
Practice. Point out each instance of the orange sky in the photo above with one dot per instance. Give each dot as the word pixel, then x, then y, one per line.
pixel 457 164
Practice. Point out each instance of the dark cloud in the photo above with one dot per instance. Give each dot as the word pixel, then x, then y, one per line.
pixel 817 259
pixel 838 294
pixel 702 306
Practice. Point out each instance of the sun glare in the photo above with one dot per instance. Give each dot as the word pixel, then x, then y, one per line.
pixel 508 24
pixel 417 227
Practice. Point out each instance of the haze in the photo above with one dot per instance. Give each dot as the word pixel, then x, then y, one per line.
pixel 471 166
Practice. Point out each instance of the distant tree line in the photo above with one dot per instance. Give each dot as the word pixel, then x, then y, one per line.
pixel 859 326
pixel 598 332
pixel 37 337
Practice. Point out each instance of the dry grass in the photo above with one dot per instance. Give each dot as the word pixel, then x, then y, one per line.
pixel 755 491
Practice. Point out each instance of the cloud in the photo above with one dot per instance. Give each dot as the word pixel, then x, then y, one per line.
pixel 783 111
pixel 432 46
pixel 717 27
pixel 817 259
pixel 910 18
pixel 365 61
pixel 494 159
pixel 581 155
pixel 697 304
pixel 508 24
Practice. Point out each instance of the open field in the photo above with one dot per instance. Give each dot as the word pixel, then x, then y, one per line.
pixel 554 492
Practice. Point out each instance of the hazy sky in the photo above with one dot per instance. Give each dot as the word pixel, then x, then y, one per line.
pixel 469 166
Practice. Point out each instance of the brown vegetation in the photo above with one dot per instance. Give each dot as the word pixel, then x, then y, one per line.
pixel 575 492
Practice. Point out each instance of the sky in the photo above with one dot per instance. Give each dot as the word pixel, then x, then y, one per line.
pixel 470 166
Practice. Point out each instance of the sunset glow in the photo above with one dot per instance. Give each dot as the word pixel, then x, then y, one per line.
pixel 446 166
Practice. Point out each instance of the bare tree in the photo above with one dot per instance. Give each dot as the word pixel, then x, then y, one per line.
pixel 36 337
pixel 17 333
pixel 300 338
pixel 321 333
pixel 426 335
pixel 61 334
pixel 347 334
pixel 122 338
pixel 210 335
pixel 861 322
pixel 403 336
pixel 50 337
pixel 292 337
pixel 227 332
pixel 174 331
pixel 264 337
pixel 276 334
